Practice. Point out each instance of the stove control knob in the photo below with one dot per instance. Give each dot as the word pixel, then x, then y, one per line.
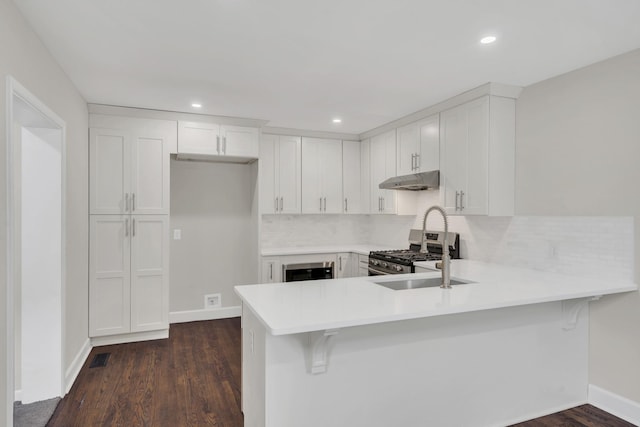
pixel 384 264
pixel 397 268
pixel 375 262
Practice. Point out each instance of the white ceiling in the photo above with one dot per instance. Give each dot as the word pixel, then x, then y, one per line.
pixel 299 63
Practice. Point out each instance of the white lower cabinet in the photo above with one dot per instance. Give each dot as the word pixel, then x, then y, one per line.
pixel 363 265
pixel 345 265
pixel 128 274
pixel 271 270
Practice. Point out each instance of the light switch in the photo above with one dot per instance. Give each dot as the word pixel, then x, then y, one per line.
pixel 177 234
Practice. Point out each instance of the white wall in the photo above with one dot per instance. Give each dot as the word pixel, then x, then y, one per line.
pixel 211 203
pixel 25 57
pixel 577 153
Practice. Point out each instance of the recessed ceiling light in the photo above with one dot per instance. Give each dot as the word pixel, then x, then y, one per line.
pixel 196 105
pixel 337 120
pixel 488 39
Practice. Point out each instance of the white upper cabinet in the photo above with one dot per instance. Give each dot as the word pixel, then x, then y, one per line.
pixel 280 174
pixel 129 165
pixel 352 187
pixel 477 157
pixel 382 166
pixel 321 175
pixel 418 146
pixel 226 143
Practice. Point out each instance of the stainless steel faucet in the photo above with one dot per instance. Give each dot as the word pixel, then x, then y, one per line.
pixel 446 260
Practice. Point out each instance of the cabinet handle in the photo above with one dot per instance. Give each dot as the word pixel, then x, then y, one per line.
pixel 457 195
pixel 281 204
pixel 133 202
pixel 276 204
pixel 461 200
pixel 133 227
pixel 126 202
pixel 340 263
pixel 218 144
pixel 270 271
pixel 126 227
pixel 346 205
pixel 320 204
pixel 224 145
pixel 413 161
pixel 417 161
pixel 325 204
pixel 382 204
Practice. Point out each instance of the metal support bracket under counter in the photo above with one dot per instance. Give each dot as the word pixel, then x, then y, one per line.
pixel 571 310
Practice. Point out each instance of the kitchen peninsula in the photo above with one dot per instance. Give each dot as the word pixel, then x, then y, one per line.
pixel 508 347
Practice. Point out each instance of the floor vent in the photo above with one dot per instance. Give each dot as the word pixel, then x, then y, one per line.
pixel 100 360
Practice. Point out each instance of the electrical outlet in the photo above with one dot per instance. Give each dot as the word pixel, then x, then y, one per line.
pixel 212 301
pixel 177 234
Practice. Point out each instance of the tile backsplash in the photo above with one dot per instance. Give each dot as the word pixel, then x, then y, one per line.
pixel 599 247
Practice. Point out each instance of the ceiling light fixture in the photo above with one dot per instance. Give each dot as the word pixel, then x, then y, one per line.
pixel 196 105
pixel 488 39
pixel 337 120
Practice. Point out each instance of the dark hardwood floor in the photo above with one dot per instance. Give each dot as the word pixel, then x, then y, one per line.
pixel 193 379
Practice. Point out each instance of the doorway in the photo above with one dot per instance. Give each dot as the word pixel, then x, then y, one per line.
pixel 35 249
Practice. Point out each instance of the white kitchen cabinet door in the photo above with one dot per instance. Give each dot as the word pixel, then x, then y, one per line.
pixel 269 199
pixel 312 165
pixel 331 175
pixel 478 157
pixel 351 177
pixel 280 174
pixel 321 175
pixel 288 174
pixel 109 275
pixel 199 138
pixel 383 166
pixel 271 270
pixel 109 170
pixel 418 146
pixel 428 158
pixel 343 266
pixel 129 165
pixel 239 141
pixel 150 169
pixel 365 175
pixel 149 272
pixel 408 145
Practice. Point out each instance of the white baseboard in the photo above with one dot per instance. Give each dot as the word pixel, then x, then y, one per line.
pixel 74 369
pixel 615 404
pixel 132 337
pixel 197 315
pixel 17 396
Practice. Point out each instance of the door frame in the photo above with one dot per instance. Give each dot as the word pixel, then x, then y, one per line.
pixel 15 89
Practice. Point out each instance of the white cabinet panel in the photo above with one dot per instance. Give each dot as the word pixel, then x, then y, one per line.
pixel 149 272
pixel 351 177
pixel 109 278
pixel 129 165
pixel 418 146
pixel 271 270
pixel 383 166
pixel 128 274
pixel 321 175
pixel 280 174
pixel 226 143
pixel 109 170
pixel 198 138
pixel 345 265
pixel 240 141
pixel 477 157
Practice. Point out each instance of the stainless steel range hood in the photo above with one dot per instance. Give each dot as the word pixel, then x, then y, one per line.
pixel 413 182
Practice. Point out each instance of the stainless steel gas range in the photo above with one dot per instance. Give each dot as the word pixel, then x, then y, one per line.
pixel 402 261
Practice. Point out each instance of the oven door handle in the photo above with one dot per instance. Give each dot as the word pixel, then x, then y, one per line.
pixel 379 272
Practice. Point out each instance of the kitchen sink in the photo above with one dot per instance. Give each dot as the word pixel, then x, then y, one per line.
pixel 398 285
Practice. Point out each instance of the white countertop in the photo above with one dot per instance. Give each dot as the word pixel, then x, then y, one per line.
pixel 307 250
pixel 296 307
